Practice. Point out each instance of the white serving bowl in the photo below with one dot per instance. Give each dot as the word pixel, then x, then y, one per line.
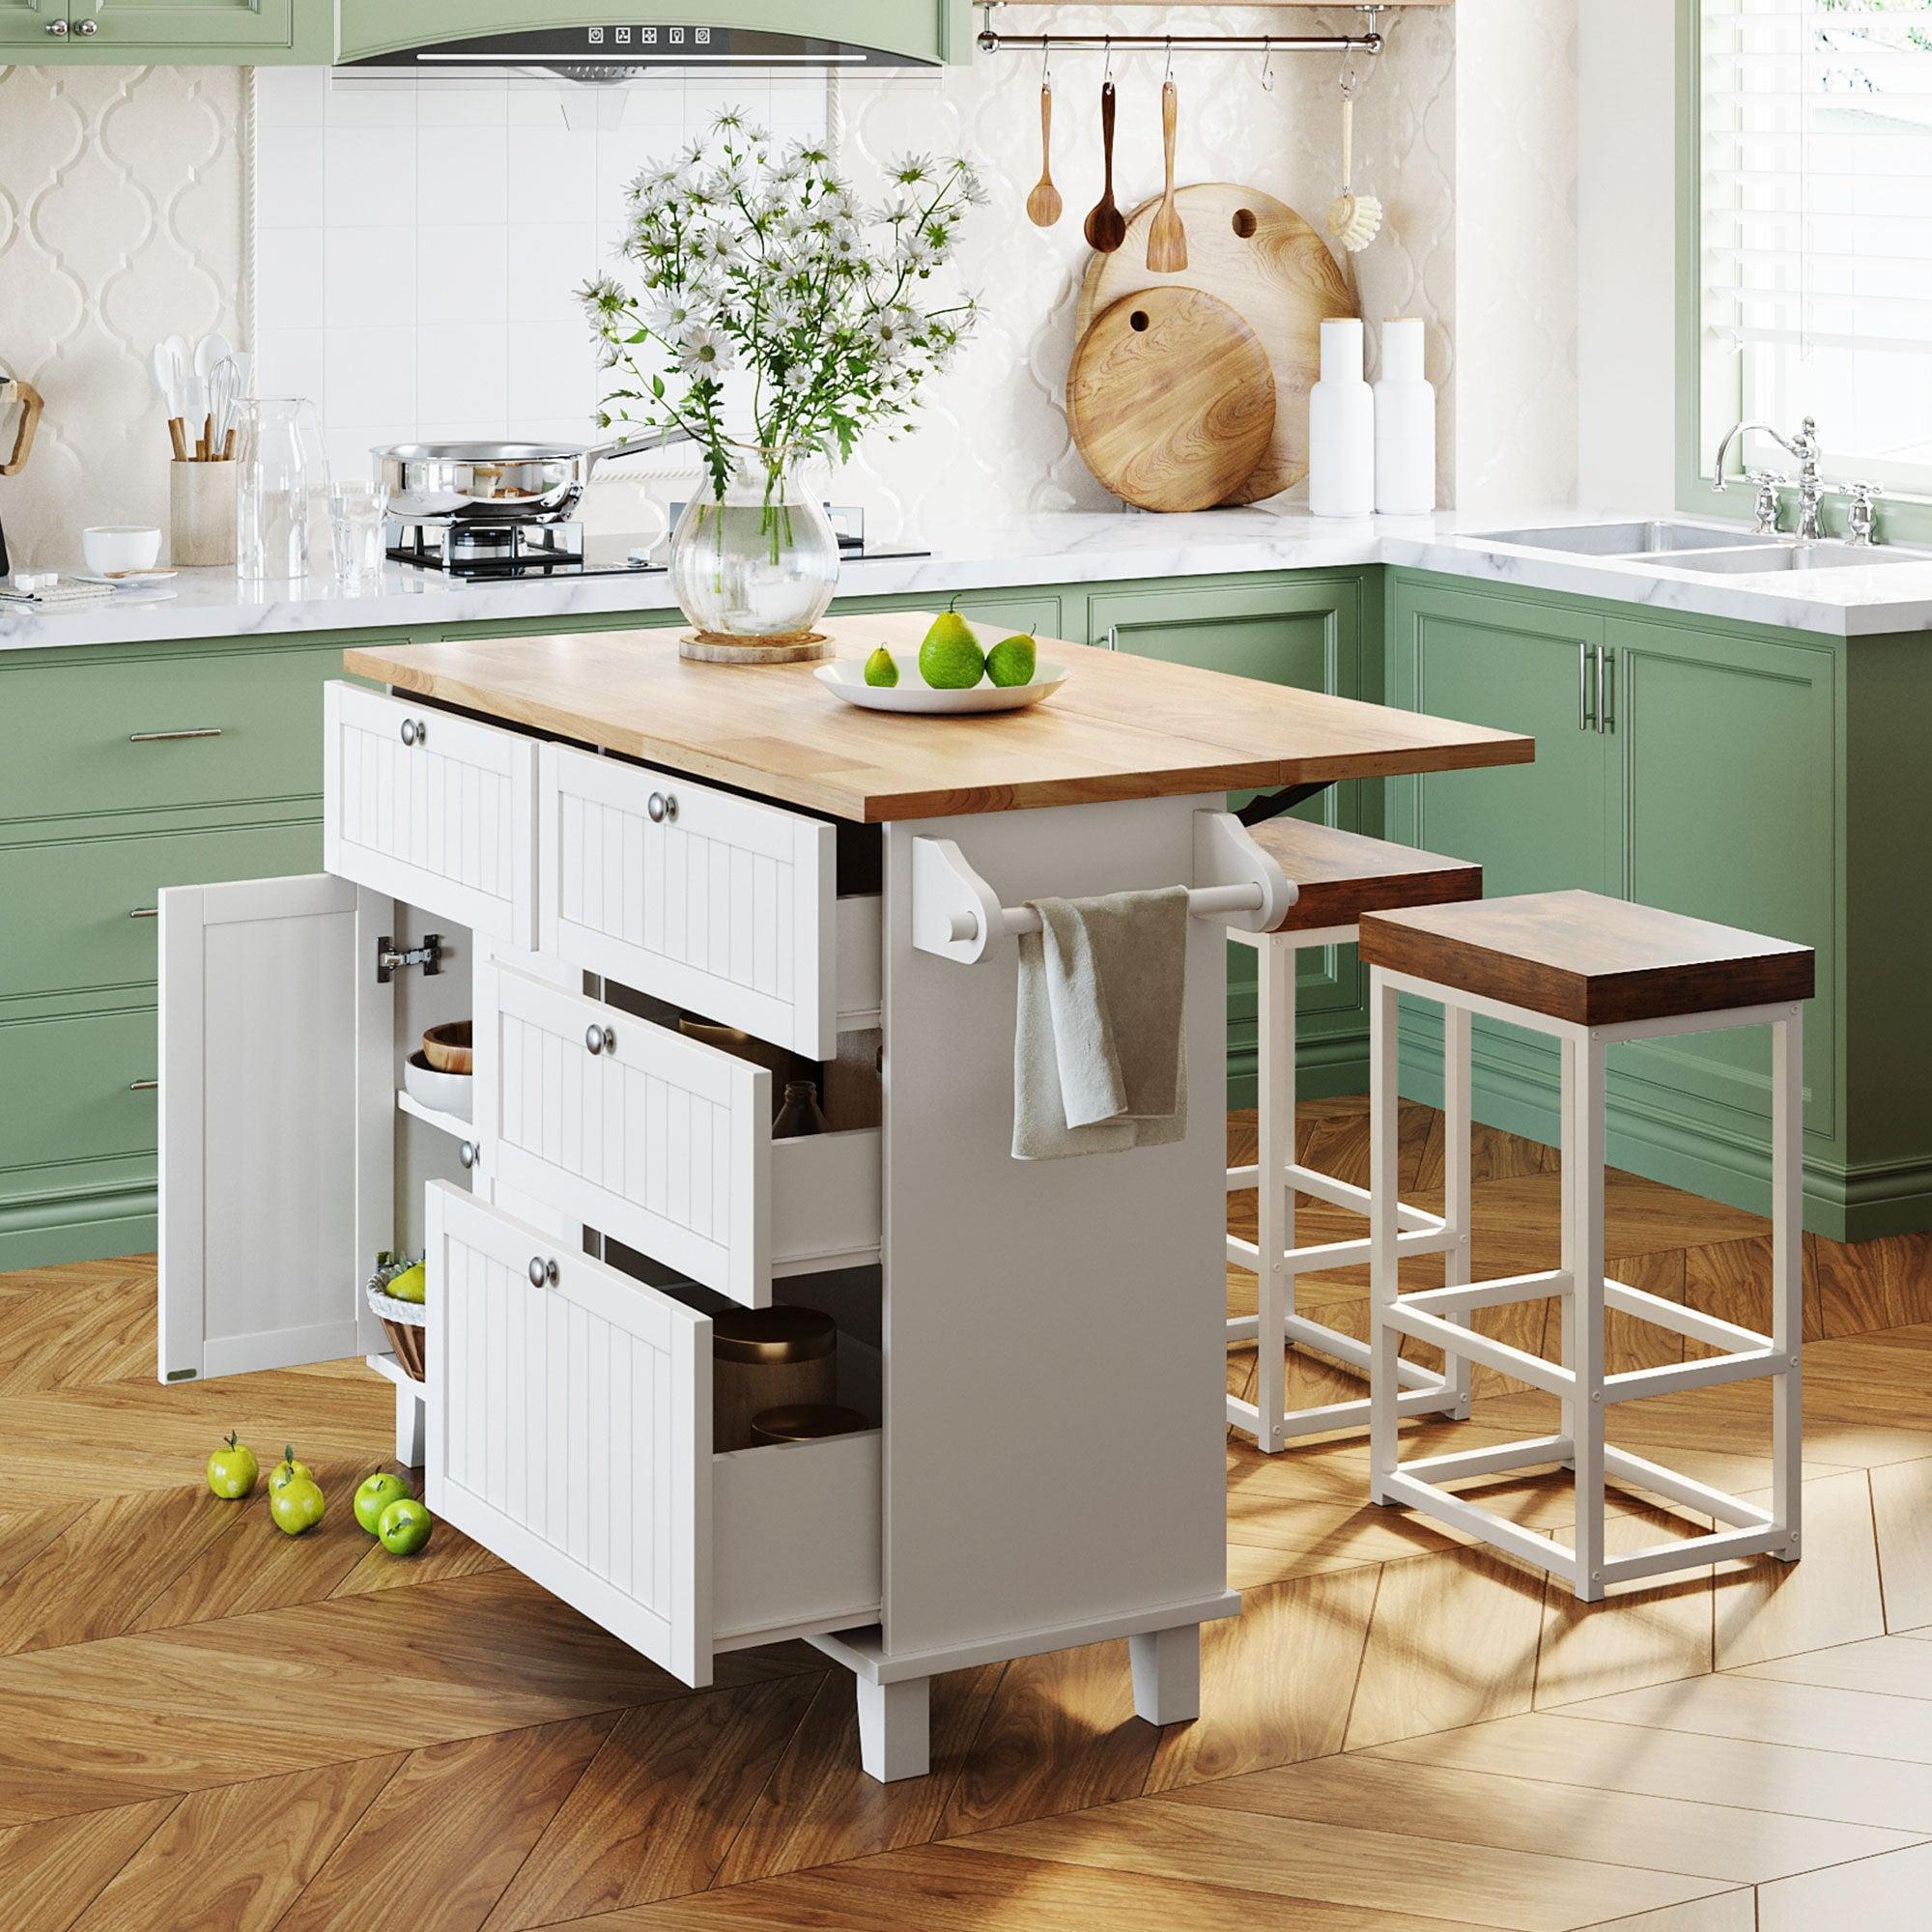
pixel 446 1093
pixel 112 548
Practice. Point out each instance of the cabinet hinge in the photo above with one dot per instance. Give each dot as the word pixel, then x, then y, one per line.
pixel 428 956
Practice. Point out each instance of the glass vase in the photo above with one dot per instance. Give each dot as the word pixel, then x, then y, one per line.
pixel 759 564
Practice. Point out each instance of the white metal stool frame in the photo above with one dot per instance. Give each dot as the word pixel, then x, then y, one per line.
pixel 1579 1380
pixel 1424 1392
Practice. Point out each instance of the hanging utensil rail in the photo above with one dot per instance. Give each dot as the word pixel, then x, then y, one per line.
pixel 993 41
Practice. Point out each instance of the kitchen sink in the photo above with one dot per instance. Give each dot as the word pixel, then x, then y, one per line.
pixel 1630 539
pixel 1788 556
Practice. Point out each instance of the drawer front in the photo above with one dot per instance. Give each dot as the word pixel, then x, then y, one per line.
pixel 665 1143
pixel 430 807
pixel 86 907
pixel 711 901
pixel 73 1107
pixel 108 733
pixel 570 1427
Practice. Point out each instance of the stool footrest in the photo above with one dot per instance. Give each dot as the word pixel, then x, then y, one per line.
pixel 1333 1415
pixel 1714 1547
pixel 1643 1474
pixel 1332 1343
pixel 1497 1293
pixel 1479 1348
pixel 1336 1193
pixel 1679 1320
pixel 1466 1463
pixel 1247 1255
pixel 1707 1369
pixel 1485 1525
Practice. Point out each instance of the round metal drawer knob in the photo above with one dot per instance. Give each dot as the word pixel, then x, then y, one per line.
pixel 468 1153
pixel 413 732
pixel 88 27
pixel 58 29
pixel 663 808
pixel 600 1039
pixel 543 1274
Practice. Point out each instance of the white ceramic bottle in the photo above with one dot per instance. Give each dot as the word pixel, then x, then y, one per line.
pixel 1341 428
pixel 1404 423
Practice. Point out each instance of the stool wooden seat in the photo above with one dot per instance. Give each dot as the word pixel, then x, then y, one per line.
pixel 1591 972
pixel 1339 877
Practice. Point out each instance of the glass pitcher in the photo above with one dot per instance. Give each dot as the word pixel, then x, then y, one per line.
pixel 280 475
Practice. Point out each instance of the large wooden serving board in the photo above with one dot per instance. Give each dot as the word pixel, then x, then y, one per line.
pixel 1121 727
pixel 1260 257
pixel 1171 399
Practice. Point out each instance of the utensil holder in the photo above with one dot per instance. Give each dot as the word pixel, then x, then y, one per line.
pixel 201 514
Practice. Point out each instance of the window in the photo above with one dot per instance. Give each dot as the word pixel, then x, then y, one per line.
pixel 1816 228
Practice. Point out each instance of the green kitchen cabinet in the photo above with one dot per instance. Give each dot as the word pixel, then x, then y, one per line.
pixel 1683 764
pixel 916 31
pixel 141 32
pixel 1315 632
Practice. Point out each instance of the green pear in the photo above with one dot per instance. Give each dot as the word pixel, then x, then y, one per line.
pixel 1012 660
pixel 951 658
pixel 881 667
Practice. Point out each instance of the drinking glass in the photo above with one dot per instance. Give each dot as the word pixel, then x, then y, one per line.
pixel 279 469
pixel 355 517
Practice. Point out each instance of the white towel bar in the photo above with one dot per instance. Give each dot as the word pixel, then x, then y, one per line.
pixel 955 911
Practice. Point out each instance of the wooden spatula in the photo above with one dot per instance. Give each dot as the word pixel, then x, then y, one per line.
pixel 1167 238
pixel 1106 225
pixel 1042 205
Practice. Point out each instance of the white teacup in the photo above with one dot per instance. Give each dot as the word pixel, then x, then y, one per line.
pixel 113 547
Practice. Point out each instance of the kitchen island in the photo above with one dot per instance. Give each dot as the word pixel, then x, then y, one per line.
pixel 604 840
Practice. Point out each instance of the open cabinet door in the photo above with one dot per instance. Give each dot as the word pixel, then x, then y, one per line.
pixel 277 1123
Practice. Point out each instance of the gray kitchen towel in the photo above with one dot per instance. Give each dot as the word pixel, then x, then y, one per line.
pixel 1098 1053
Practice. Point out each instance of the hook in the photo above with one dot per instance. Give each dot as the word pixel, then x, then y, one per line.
pixel 1169 75
pixel 1267 65
pixel 1107 73
pixel 1046 62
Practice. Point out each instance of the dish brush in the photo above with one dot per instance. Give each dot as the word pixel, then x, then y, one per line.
pixel 1353 220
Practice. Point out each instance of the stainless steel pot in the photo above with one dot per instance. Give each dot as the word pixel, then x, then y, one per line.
pixel 497 482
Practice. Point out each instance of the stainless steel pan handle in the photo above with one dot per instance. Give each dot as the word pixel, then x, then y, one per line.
pixel 633 445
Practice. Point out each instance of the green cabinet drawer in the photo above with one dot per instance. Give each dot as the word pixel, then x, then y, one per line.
pixel 86 1123
pixel 103 732
pixel 91 900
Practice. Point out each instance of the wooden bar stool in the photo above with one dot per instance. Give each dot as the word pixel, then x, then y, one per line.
pixel 1339 877
pixel 1591 972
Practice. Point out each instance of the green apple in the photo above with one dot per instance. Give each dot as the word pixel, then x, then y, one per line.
pixel 296 1506
pixel 951 658
pixel 375 1494
pixel 289 1471
pixel 405 1527
pixel 1011 661
pixel 232 1469
pixel 882 668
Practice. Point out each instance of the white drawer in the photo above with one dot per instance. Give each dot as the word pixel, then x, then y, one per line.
pixel 711 901
pixel 432 809
pixel 664 1142
pixel 570 1432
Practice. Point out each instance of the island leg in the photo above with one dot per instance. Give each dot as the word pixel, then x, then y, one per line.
pixel 411 1424
pixel 1167 1674
pixel 895 1739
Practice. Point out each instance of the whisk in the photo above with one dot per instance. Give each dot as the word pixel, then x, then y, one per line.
pixel 1353 220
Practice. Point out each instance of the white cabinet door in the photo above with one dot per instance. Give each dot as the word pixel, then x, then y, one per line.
pixel 277 1123
pixel 711 901
pixel 570 1427
pixel 430 807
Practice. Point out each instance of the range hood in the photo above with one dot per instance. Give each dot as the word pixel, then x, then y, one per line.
pixel 609 55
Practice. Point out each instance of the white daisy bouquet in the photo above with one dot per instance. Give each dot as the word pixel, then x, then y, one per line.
pixel 757 259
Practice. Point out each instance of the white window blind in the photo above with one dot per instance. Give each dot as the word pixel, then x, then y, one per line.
pixel 1817 221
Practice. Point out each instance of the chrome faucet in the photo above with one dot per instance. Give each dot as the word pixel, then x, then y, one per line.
pixel 1805 447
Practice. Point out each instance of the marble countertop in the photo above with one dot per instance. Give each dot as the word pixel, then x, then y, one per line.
pixel 1047 548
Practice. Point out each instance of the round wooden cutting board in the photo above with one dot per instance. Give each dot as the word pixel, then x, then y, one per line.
pixel 1273 269
pixel 1171 399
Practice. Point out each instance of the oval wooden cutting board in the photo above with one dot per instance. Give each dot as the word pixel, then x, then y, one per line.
pixel 1171 399
pixel 1273 269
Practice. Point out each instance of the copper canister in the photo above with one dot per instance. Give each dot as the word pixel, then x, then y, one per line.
pixel 805 1422
pixel 766 1358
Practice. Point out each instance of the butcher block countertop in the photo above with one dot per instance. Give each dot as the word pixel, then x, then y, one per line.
pixel 1119 727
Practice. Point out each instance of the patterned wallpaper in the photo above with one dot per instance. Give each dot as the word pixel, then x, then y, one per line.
pixel 121 220
pixel 122 216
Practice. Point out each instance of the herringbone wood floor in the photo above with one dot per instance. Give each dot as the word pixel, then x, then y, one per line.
pixel 204 1724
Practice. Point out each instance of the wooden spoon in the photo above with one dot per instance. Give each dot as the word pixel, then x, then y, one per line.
pixel 1106 225
pixel 1167 238
pixel 1042 205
